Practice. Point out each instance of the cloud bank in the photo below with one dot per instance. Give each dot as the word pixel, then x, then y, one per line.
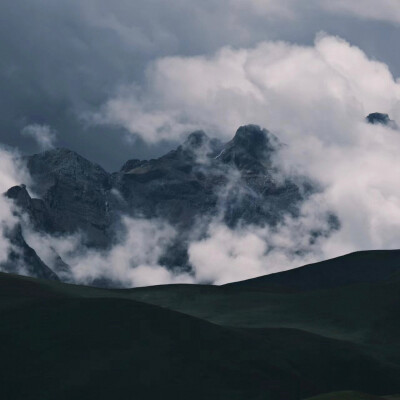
pixel 315 99
pixel 133 261
pixel 295 90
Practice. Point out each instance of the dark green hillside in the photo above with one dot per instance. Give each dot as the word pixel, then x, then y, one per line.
pixel 58 346
pixel 360 267
pixel 62 341
pixel 102 348
pixel 363 311
pixel 352 396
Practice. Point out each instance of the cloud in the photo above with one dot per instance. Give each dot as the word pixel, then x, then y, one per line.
pixel 12 172
pixel 387 10
pixel 43 135
pixel 278 85
pixel 233 254
pixel 316 99
pixel 79 51
pixel 7 222
pixel 133 261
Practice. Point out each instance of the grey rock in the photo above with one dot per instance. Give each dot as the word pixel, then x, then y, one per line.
pixel 382 119
pixel 75 193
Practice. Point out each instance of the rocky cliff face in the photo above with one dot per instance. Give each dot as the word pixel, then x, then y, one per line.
pixel 74 193
pixel 202 179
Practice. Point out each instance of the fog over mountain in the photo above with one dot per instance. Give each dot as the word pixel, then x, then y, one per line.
pixel 147 143
pixel 147 221
pixel 206 212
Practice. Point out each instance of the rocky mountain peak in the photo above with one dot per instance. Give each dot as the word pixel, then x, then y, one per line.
pixel 250 148
pixel 381 118
pixel 249 135
pixel 200 146
pixel 63 161
pixel 20 195
pixel 62 165
pixel 196 139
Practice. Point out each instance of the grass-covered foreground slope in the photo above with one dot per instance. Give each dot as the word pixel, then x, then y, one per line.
pixel 365 310
pixel 60 344
pixel 359 267
pixel 352 396
pixel 199 342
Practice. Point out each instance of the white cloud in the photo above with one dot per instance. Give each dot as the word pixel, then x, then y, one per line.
pixel 43 135
pixel 133 261
pixel 284 87
pixel 227 255
pixel 7 222
pixel 12 173
pixel 315 98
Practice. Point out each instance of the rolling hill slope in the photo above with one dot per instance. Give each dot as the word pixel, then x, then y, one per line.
pixel 240 341
pixel 359 267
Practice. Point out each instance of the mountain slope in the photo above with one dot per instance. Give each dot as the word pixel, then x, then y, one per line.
pixel 102 348
pixel 228 342
pixel 359 267
pixel 63 346
pixel 352 396
pixel 356 296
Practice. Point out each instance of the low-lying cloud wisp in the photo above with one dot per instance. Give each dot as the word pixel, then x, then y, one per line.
pixel 43 135
pixel 12 172
pixel 133 261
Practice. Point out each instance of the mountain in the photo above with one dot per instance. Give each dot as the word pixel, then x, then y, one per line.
pixel 382 119
pixel 74 192
pixel 359 307
pixel 353 396
pixel 204 178
pixel 200 181
pixel 240 341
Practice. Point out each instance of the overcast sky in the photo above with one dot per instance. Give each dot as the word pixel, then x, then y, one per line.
pixel 83 74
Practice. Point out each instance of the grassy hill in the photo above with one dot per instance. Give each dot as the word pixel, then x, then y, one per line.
pixel 359 267
pixel 352 396
pixel 243 341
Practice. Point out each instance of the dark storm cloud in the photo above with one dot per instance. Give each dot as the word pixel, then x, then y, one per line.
pixel 62 59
